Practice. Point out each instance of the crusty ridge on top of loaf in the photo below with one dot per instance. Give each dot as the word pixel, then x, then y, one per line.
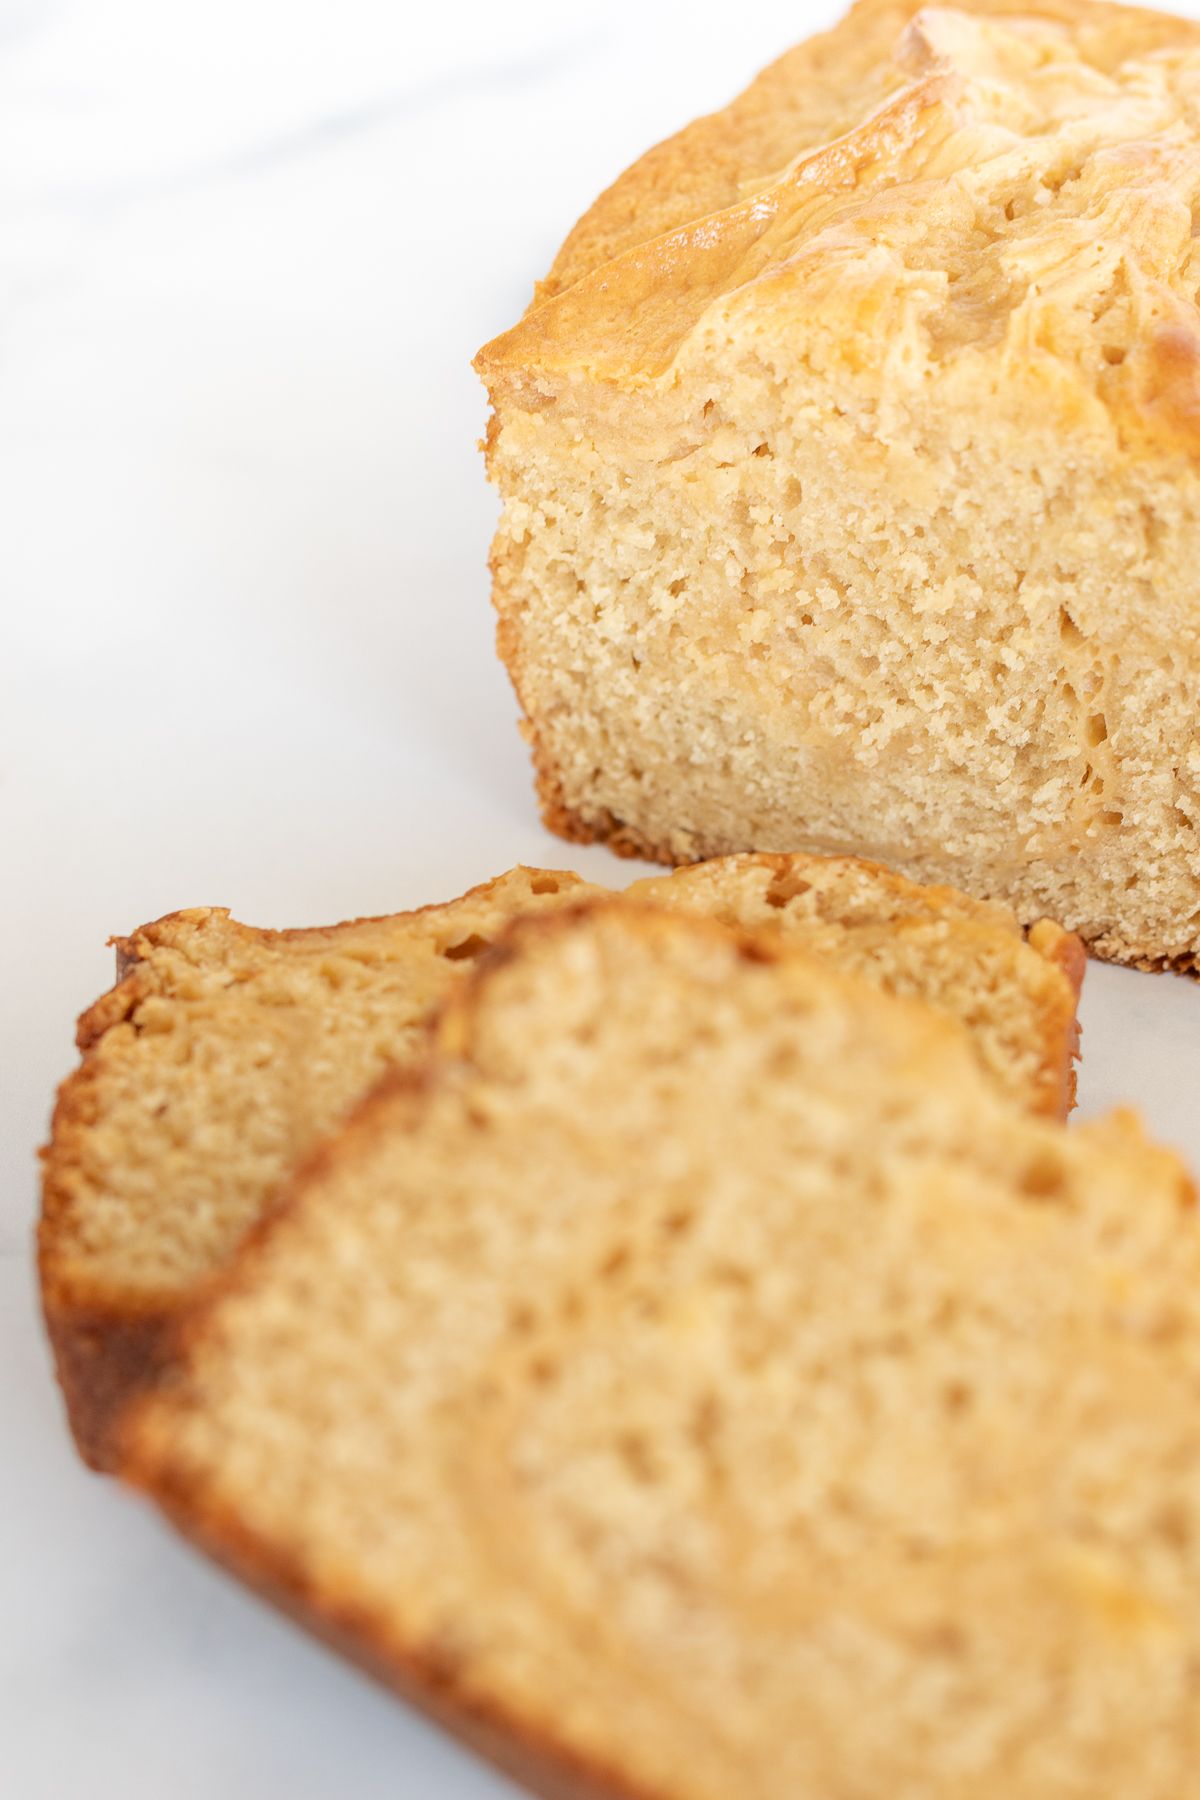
pixel 225 1052
pixel 859 508
pixel 699 1376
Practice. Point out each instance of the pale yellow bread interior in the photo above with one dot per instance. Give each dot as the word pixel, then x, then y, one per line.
pixel 701 1376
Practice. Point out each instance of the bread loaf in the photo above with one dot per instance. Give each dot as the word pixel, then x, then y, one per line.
pixel 851 472
pixel 697 1382
pixel 225 1053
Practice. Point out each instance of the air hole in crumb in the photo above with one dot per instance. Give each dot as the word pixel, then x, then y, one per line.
pixel 1042 1178
pixel 762 450
pixel 1068 630
pixel 706 1420
pixel 786 888
pixel 731 1275
pixel 635 1454
pixel 944 1639
pixel 1097 729
pixel 1114 354
pixel 615 1263
pixel 1098 785
pixel 544 884
pixel 1112 817
pixel 676 588
pixel 1174 1527
pixel 464 951
pixel 784 1062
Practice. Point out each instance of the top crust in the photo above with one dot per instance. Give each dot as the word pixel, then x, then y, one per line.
pixel 983 184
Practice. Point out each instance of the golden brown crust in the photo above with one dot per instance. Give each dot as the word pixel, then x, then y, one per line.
pixel 101 1358
pixel 706 167
pixel 130 951
pixel 1061 1049
pixel 736 208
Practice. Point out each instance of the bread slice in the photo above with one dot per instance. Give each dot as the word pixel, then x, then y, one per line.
pixel 851 472
pixel 224 1053
pixel 699 1383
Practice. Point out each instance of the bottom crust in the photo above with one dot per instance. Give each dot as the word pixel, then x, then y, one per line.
pixel 103 1359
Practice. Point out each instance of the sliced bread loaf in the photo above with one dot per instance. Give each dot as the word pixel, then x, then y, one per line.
pixel 850 462
pixel 698 1382
pixel 224 1053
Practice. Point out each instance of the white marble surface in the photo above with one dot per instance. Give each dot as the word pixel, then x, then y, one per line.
pixel 246 251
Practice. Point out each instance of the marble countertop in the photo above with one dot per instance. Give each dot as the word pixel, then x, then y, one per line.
pixel 247 251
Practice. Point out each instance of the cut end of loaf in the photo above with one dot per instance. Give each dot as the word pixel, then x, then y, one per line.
pixel 850 488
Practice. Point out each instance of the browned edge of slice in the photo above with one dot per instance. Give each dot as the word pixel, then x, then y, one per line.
pixel 102 1352
pixel 1068 954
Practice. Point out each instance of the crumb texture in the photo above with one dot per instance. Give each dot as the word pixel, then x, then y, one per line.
pixel 708 1373
pixel 850 484
pixel 228 1053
